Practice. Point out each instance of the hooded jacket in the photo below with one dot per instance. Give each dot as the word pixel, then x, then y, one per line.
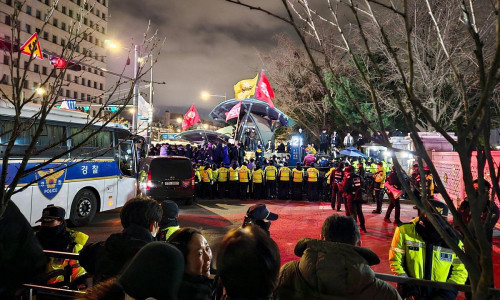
pixel 330 270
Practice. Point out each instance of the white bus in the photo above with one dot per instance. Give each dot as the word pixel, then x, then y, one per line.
pixel 97 177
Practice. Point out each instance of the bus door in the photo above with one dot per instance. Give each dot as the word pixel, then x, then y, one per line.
pixel 127 182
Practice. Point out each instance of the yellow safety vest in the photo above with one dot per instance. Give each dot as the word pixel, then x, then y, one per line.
pixel 380 177
pixel 298 176
pixel 222 174
pixel 270 172
pixel 429 180
pixel 407 257
pixel 233 174
pixel 244 174
pixel 206 175
pixel 328 175
pixel 285 174
pixel 80 239
pixel 258 176
pixel 355 166
pixel 312 174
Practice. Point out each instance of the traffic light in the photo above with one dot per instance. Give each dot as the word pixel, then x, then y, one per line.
pixel 83 108
pixel 111 108
pixel 61 63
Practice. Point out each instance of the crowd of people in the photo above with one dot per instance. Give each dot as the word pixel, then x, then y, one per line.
pixel 154 257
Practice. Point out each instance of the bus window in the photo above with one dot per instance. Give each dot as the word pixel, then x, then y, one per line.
pixel 50 134
pixel 126 158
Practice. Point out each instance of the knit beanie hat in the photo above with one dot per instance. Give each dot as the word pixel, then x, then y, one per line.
pixel 170 213
pixel 155 271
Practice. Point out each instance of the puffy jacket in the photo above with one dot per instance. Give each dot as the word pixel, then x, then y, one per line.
pixel 329 270
pixel 407 257
pixel 107 259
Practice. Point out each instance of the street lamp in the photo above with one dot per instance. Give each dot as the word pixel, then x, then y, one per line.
pixel 150 111
pixel 206 95
pixel 40 91
pixel 137 50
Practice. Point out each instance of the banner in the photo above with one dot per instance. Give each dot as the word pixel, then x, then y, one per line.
pixel 234 112
pixel 264 91
pixel 190 118
pixel 245 88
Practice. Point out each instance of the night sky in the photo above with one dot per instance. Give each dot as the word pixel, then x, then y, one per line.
pixel 210 45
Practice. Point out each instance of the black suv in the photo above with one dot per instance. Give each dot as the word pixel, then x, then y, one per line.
pixel 167 177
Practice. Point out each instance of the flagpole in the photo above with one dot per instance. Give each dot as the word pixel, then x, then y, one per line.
pixel 205 132
pixel 236 131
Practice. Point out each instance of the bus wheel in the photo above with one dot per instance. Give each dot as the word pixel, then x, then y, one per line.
pixel 83 208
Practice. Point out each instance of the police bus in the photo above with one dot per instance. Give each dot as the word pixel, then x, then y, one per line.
pixel 96 177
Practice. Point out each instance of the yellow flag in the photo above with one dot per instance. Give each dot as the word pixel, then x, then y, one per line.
pixel 245 88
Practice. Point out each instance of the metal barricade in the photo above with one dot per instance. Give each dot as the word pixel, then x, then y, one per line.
pixel 37 291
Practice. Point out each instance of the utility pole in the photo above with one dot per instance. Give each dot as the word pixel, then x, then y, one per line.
pixel 136 88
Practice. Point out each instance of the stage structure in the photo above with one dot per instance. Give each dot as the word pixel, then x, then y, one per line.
pixel 254 113
pixel 200 136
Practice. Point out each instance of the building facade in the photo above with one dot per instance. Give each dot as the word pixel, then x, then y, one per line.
pixel 89 19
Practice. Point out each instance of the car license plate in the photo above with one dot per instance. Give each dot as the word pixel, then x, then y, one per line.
pixel 171 183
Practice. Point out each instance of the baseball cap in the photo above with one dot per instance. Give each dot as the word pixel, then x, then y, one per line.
pixel 440 207
pixel 260 212
pixel 486 183
pixel 52 212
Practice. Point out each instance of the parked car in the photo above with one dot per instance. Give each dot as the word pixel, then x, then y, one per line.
pixel 167 177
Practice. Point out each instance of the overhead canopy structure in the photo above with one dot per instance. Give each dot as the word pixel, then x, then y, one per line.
pixel 352 152
pixel 199 136
pixel 254 113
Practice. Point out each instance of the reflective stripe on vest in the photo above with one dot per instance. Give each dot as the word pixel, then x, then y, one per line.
pixel 270 173
pixel 222 175
pixel 205 176
pixel 258 175
pixel 233 174
pixel 312 175
pixel 243 174
pixel 285 174
pixel 298 176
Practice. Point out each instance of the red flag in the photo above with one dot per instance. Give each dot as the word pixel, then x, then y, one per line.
pixel 234 112
pixel 190 118
pixel 264 91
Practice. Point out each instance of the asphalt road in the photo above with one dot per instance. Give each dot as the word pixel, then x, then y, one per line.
pixel 214 217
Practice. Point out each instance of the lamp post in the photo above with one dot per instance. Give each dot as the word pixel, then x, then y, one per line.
pixel 136 88
pixel 135 101
pixel 150 110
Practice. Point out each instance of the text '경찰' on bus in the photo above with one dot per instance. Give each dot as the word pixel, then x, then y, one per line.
pixel 97 171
